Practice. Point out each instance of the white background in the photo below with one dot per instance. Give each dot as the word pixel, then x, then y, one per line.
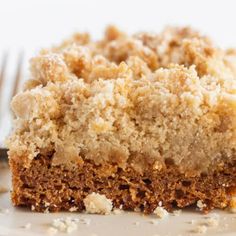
pixel 31 24
pixel 28 25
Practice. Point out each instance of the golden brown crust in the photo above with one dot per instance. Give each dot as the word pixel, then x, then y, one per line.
pixel 47 187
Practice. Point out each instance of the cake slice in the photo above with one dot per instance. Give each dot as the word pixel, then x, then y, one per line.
pixel 133 122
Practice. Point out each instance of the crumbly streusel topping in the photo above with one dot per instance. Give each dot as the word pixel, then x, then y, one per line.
pixel 140 99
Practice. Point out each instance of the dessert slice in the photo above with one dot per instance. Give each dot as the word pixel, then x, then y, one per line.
pixel 132 122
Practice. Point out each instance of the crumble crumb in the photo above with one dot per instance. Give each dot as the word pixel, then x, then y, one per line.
pixel 161 212
pixel 98 204
pixel 67 225
pixel 201 205
pixel 3 189
pixel 201 229
pixel 117 211
pixel 212 221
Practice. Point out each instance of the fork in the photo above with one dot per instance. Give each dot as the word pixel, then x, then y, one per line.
pixel 14 88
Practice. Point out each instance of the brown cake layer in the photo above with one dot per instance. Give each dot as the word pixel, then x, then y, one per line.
pixel 54 188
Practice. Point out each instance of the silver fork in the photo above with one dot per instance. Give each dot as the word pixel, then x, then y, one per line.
pixel 5 111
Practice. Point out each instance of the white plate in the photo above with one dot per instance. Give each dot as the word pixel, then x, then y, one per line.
pixel 133 224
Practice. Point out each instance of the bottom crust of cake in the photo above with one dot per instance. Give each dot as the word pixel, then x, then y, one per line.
pixel 46 187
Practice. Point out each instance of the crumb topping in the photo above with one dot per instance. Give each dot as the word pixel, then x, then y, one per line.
pixel 140 99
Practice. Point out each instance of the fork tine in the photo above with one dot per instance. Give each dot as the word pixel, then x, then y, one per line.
pixel 3 69
pixel 18 74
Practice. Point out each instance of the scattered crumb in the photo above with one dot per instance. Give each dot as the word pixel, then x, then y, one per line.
pixel 117 211
pixel 212 222
pixel 200 205
pixel 161 212
pixel 201 229
pixel 137 223
pixel 97 203
pixel 177 212
pixel 3 189
pixel 32 208
pixel 67 225
pixel 73 209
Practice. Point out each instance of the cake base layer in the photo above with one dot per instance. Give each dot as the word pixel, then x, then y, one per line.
pixel 46 187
